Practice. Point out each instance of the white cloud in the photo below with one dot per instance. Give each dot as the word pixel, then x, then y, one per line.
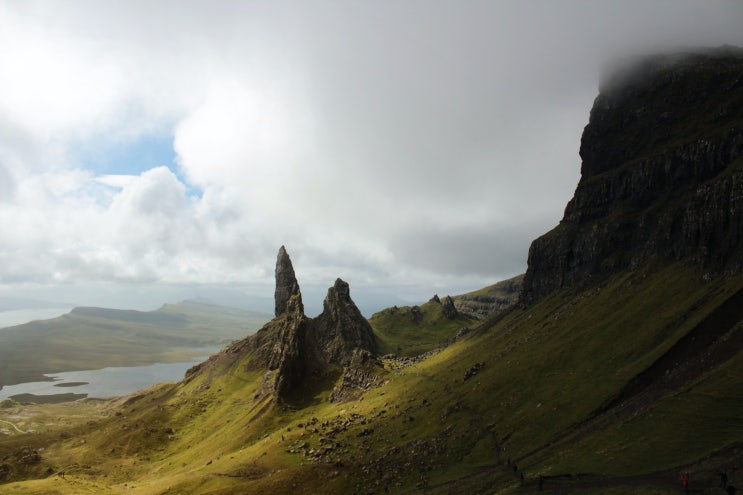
pixel 245 131
pixel 115 180
pixel 388 144
pixel 53 82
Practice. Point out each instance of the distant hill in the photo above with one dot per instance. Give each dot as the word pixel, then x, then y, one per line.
pixel 91 338
pixel 413 330
pixel 482 303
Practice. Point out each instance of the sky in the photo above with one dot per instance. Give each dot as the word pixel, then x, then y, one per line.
pixel 152 151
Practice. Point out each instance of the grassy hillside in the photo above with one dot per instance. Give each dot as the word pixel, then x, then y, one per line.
pixel 413 330
pixel 91 338
pixel 483 302
pixel 614 390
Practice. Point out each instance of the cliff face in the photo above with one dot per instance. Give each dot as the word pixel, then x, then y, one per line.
pixel 662 175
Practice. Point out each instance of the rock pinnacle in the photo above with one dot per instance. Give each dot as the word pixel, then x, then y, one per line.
pixel 287 296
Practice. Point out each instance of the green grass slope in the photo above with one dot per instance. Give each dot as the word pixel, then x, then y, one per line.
pixel 413 330
pixel 91 338
pixel 617 389
pixel 483 302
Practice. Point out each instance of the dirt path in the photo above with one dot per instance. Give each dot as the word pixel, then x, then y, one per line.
pixel 14 426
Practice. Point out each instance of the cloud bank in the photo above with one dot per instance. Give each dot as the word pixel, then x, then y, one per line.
pixel 413 147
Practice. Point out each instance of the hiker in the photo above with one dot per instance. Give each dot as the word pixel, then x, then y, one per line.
pixel 541 482
pixel 685 482
pixel 723 479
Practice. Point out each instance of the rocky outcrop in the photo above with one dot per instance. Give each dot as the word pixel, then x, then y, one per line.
pixel 448 309
pixel 18 462
pixel 295 350
pixel 662 175
pixel 341 328
pixel 280 348
pixel 364 371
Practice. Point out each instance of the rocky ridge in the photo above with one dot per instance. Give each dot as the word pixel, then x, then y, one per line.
pixel 662 175
pixel 484 302
pixel 296 350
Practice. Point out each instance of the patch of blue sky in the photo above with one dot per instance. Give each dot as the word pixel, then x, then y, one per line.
pixel 132 157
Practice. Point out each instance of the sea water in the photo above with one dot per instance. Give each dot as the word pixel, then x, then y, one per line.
pixel 102 383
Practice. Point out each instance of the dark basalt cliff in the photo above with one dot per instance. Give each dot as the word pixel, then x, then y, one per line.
pixel 662 175
pixel 296 350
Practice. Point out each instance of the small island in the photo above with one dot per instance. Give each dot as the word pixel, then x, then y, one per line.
pixel 71 384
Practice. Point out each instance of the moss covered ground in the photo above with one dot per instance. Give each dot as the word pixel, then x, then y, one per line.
pixel 542 401
pixel 413 330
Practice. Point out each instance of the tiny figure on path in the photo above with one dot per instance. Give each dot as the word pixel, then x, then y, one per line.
pixel 424 483
pixel 685 482
pixel 541 483
pixel 723 479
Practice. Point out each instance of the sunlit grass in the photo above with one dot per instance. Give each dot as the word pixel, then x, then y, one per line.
pixel 542 372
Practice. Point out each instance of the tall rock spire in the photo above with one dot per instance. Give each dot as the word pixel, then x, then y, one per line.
pixel 288 297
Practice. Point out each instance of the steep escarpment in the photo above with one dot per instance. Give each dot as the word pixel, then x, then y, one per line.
pixel 662 175
pixel 294 349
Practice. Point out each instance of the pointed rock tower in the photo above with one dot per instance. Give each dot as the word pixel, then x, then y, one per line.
pixel 287 296
pixel 448 309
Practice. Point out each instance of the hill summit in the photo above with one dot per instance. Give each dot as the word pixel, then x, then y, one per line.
pixel 298 351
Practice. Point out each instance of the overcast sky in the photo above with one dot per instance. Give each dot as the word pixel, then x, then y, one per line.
pixel 152 150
